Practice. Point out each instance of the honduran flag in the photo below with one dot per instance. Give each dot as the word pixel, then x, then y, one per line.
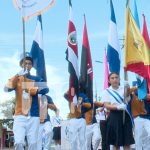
pixel 37 51
pixel 86 68
pixel 72 58
pixel 113 50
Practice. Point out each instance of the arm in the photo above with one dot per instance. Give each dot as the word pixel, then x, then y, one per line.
pixel 11 84
pixel 86 105
pixel 110 106
pixel 99 104
pixel 52 107
pixel 42 86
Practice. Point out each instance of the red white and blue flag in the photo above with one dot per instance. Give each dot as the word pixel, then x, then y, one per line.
pixel 72 58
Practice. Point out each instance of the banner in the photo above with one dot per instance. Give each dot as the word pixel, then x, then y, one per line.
pixel 30 8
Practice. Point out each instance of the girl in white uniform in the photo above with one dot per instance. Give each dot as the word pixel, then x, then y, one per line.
pixel 119 126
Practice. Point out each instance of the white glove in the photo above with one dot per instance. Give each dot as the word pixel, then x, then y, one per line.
pixel 126 84
pixel 23 72
pixel 121 106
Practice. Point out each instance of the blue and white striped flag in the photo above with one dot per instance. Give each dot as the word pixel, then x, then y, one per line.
pixel 113 50
pixel 37 51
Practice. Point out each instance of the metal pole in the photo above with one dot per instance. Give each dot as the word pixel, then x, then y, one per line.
pixel 24 42
pixel 126 79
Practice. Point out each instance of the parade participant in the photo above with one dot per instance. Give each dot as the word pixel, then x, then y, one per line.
pixel 92 127
pixel 119 125
pixel 26 117
pixel 56 121
pixel 45 130
pixel 141 113
pixel 102 115
pixel 77 124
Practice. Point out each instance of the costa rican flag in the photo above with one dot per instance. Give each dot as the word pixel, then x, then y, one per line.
pixel 72 58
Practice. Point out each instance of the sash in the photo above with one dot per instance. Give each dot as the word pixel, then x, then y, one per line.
pixel 120 100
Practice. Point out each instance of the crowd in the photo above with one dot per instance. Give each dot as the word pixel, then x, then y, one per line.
pixel 119 120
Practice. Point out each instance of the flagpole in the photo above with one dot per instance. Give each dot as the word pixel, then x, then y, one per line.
pixel 23 38
pixel 23 30
pixel 125 78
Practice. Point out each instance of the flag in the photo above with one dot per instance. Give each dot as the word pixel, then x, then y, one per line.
pixel 145 32
pixel 113 52
pixel 146 37
pixel 106 71
pixel 141 82
pixel 72 58
pixel 30 8
pixel 37 51
pixel 136 16
pixel 86 69
pixel 137 54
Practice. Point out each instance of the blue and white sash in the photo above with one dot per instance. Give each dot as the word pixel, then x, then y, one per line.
pixel 119 99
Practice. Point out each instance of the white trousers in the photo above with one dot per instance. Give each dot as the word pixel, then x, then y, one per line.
pixel 141 125
pixel 75 134
pixel 45 136
pixel 93 136
pixel 25 126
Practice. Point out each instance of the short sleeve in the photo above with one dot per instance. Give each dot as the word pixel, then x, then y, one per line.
pixel 105 96
pixel 49 100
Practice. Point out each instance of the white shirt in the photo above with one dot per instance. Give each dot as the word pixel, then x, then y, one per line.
pixel 107 97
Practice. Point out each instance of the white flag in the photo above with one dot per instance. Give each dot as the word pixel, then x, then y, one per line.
pixel 30 8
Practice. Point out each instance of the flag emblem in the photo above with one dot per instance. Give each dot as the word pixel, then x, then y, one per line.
pixel 72 38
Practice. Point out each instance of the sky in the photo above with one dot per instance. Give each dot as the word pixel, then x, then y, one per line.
pixel 55 30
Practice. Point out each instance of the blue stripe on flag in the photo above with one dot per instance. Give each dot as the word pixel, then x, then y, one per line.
pixel 37 51
pixel 113 44
pixel 38 60
pixel 113 18
pixel 113 59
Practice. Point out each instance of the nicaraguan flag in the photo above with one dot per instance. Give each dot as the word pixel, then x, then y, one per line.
pixel 86 67
pixel 37 51
pixel 113 49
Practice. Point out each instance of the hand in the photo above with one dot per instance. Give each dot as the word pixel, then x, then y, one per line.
pixel 126 84
pixel 121 106
pixel 23 72
pixel 57 112
pixel 80 100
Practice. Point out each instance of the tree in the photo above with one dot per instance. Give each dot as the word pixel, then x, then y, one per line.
pixel 7 109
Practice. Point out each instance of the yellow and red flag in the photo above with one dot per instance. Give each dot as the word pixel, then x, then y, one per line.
pixel 137 54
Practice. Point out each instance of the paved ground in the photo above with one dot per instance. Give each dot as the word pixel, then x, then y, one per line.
pixel 52 148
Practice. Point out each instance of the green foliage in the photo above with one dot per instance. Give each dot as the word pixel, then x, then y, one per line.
pixel 7 110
